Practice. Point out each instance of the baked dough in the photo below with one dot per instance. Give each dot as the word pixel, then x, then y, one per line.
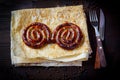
pixel 52 17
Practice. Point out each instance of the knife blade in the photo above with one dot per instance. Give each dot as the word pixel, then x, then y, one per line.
pixel 102 25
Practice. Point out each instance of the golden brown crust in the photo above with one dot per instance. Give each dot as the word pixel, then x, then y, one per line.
pixel 52 17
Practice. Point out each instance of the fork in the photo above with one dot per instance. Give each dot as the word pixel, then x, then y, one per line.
pixel 99 50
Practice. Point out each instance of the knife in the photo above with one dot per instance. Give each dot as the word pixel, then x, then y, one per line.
pixel 102 25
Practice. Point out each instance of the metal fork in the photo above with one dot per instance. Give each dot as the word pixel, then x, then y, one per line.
pixel 99 50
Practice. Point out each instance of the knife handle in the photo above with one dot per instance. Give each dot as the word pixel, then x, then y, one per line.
pixel 97 61
pixel 100 52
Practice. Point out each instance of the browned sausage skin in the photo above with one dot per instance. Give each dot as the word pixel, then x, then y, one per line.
pixel 67 36
pixel 36 35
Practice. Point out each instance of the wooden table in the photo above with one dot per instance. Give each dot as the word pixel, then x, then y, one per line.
pixel 111 45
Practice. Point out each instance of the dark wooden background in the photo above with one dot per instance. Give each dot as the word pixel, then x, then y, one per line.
pixel 111 44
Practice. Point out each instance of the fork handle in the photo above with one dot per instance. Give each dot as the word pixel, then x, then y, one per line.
pixel 97 61
pixel 100 52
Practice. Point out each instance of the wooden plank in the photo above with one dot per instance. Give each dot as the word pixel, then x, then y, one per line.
pixel 4 38
pixel 5 58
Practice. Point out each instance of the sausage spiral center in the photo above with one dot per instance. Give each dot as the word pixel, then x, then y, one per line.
pixel 67 35
pixel 36 35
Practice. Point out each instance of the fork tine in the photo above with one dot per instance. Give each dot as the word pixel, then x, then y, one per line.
pixel 96 19
pixel 93 16
pixel 90 15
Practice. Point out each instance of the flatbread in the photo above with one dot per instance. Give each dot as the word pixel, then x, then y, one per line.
pixel 52 17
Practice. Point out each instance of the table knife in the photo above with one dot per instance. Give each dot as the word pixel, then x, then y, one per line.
pixel 102 25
